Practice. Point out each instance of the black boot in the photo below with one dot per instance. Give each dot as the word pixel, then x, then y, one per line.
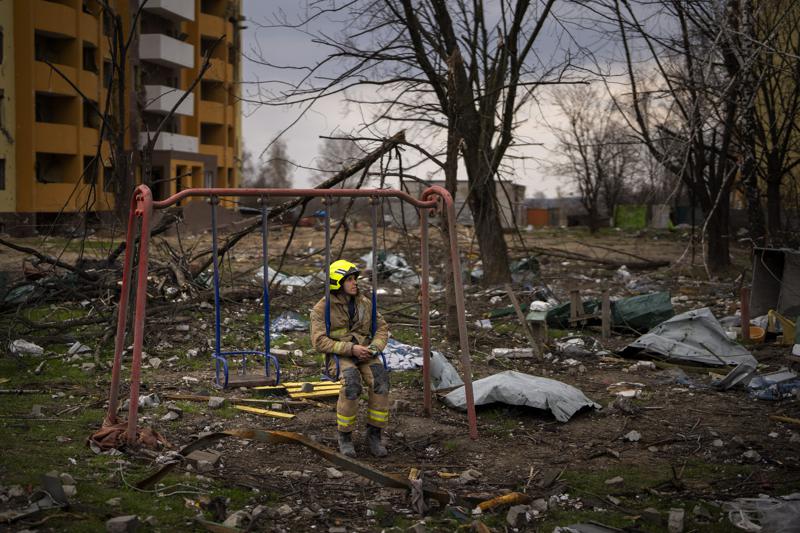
pixel 346 444
pixel 376 447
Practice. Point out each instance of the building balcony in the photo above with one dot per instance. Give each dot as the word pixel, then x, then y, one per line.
pixel 89 28
pixel 215 150
pixel 56 19
pixel 46 80
pixel 89 84
pixel 220 70
pixel 171 141
pixel 213 112
pixel 89 140
pixel 161 99
pixel 166 51
pixel 175 10
pixel 56 138
pixel 212 26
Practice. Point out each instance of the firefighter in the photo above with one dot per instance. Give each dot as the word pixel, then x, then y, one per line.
pixel 358 351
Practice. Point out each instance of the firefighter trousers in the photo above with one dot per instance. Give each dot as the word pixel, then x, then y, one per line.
pixel 355 377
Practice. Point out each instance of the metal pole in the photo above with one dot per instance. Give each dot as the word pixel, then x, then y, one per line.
pixel 265 264
pixel 214 254
pixel 466 364
pixel 326 203
pixel 373 326
pixel 144 211
pixel 425 312
pixel 122 313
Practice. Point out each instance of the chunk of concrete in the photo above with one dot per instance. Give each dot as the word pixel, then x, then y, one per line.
pixel 123 524
pixel 216 402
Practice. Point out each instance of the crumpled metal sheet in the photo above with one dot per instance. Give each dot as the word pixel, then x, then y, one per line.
pixel 696 336
pixel 516 388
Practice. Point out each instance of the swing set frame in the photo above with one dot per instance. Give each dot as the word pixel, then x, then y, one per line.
pixel 433 200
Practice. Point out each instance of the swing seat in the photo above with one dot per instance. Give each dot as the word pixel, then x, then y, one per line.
pixel 243 378
pixel 326 376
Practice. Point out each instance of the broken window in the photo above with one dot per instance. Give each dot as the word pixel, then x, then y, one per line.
pixel 90 58
pixel 52 168
pixel 55 109
pixel 53 49
pixel 212 134
pixel 108 73
pixel 90 117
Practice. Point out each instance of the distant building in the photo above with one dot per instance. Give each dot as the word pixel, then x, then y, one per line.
pixel 49 133
pixel 510 200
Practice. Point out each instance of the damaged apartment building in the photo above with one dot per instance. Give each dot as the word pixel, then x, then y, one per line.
pixel 50 131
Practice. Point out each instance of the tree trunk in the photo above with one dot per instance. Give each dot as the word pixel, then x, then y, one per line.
pixel 718 230
pixel 489 231
pixel 451 184
pixel 774 222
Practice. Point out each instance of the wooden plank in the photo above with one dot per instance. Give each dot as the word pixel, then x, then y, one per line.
pixel 265 412
pixel 249 380
pixel 319 394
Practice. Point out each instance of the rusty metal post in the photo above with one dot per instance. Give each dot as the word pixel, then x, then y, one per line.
pixel 605 314
pixel 144 210
pixel 458 282
pixel 122 314
pixel 744 307
pixel 425 319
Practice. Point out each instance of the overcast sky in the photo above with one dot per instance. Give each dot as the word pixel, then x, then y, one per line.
pixel 290 47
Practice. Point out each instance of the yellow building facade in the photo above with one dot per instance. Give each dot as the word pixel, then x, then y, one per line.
pixel 56 70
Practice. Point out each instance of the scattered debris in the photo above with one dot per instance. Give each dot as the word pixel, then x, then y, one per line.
pixel 632 436
pixel 288 321
pixel 776 515
pixel 216 402
pixel 23 347
pixel 122 524
pixel 774 386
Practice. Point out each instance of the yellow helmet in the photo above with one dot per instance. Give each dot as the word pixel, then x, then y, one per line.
pixel 339 270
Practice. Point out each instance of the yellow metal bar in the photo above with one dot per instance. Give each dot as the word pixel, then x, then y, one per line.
pixel 265 412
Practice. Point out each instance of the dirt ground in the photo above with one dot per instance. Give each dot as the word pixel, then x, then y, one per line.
pixel 693 452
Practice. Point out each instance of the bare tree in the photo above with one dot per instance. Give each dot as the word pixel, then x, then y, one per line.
pixel 276 172
pixel 335 154
pixel 457 67
pixel 594 150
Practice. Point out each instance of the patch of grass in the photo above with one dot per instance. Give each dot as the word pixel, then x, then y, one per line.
pixel 53 313
pixel 406 335
pixel 554 333
pixel 450 445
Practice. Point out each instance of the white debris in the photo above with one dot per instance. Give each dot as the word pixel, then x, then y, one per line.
pixel 23 347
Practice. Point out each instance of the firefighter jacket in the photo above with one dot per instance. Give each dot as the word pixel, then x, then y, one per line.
pixel 347 330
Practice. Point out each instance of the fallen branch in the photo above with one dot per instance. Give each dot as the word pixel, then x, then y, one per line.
pixel 607 263
pixel 50 260
pixel 288 206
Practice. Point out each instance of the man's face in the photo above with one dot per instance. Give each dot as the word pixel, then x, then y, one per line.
pixel 350 286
